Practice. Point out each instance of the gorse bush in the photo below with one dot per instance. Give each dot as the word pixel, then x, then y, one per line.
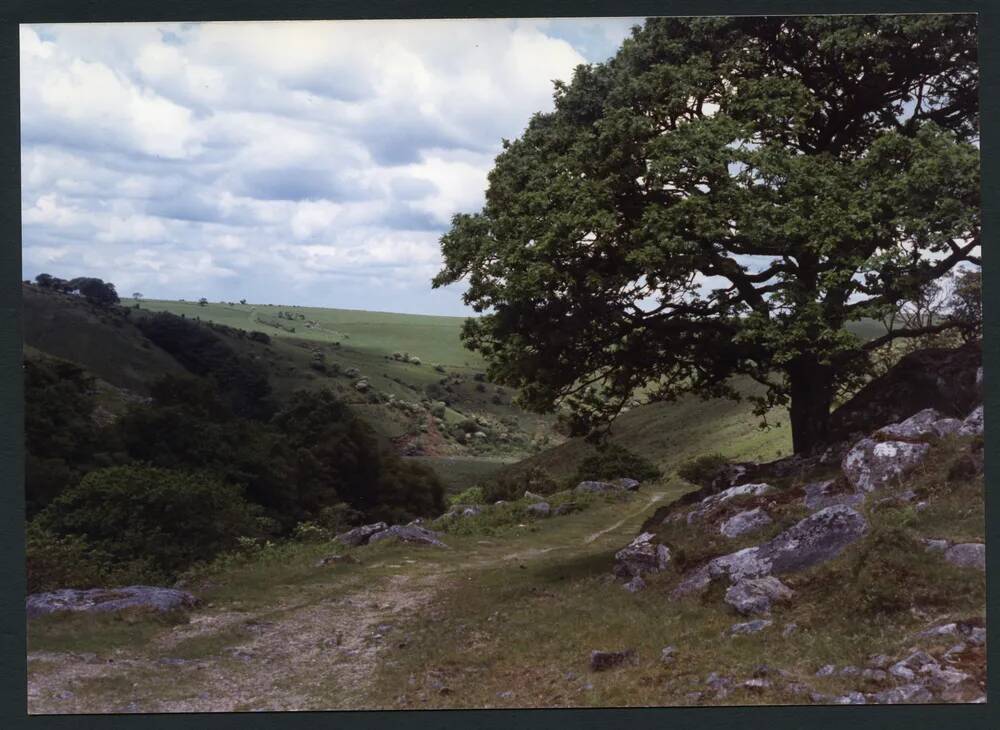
pixel 171 519
pixel 612 461
pixel 472 495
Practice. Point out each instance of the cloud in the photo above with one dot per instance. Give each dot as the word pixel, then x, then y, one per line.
pixel 319 159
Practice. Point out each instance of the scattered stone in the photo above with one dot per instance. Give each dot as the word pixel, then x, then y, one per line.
pixel 361 535
pixel 818 698
pixel 973 423
pixel 505 695
pixel 789 629
pixel 936 545
pixel 539 509
pixel 714 500
pixel 977 636
pixel 797 688
pixel 875 675
pixel 755 595
pixel 596 487
pixel 871 464
pixel 693 696
pixel 879 661
pixel 745 522
pixel 629 485
pixel 601 660
pixel 849 671
pixel 967 555
pixel 749 627
pixel 668 655
pixel 413 534
pixel 757 684
pixel 109 600
pixel 851 698
pixel 335 559
pixel 533 496
pixel 899 670
pixel 827 670
pixel 904 694
pixel 635 585
pixel 641 556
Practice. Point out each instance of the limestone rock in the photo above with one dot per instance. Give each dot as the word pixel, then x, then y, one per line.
pixel 755 595
pixel 745 522
pixel 973 423
pixel 641 556
pixel 816 539
pixel 361 535
pixel 409 533
pixel 109 600
pixel 870 464
pixel 726 495
pixel 749 627
pixel 967 555
pixel 925 424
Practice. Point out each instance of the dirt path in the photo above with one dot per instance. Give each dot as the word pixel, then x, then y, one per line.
pixel 315 650
pixel 652 500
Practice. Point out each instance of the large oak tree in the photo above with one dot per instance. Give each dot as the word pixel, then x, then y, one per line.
pixel 722 198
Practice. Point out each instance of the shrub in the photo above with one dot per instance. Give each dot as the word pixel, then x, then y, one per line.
pixel 169 518
pixel 612 462
pixel 472 495
pixel 511 486
pixel 311 532
pixel 700 471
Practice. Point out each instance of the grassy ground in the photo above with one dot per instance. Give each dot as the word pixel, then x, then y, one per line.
pixel 507 618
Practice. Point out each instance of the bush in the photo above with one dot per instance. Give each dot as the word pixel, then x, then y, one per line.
pixel 700 471
pixel 171 519
pixel 472 495
pixel 613 462
pixel 511 486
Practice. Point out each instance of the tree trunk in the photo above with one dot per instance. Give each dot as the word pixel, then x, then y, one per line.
pixel 811 393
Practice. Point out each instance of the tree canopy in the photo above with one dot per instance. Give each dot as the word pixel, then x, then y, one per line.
pixel 721 198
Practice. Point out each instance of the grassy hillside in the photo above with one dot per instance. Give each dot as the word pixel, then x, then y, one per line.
pixel 434 339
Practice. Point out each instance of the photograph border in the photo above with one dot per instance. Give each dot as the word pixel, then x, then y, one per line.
pixel 13 695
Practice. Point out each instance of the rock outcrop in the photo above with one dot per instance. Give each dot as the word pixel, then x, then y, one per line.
pixel 939 378
pixel 641 557
pixel 110 600
pixel 756 595
pixel 745 522
pixel 921 426
pixel 871 464
pixel 361 535
pixel 815 539
pixel 413 534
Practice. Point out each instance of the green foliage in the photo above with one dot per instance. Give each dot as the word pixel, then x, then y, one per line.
pixel 62 440
pixel 511 486
pixel 243 383
pixel 701 470
pixel 170 519
pixel 701 142
pixel 892 572
pixel 472 495
pixel 613 461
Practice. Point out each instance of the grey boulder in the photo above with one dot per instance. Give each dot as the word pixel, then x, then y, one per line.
pixel 539 509
pixel 973 423
pixel 871 464
pixel 928 423
pixel 816 539
pixel 967 555
pixel 410 534
pixel 361 535
pixel 641 556
pixel 756 595
pixel 745 522
pixel 109 600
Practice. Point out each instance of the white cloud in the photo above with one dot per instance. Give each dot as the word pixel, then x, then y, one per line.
pixel 226 157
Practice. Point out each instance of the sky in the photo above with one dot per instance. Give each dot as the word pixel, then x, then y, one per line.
pixel 313 163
